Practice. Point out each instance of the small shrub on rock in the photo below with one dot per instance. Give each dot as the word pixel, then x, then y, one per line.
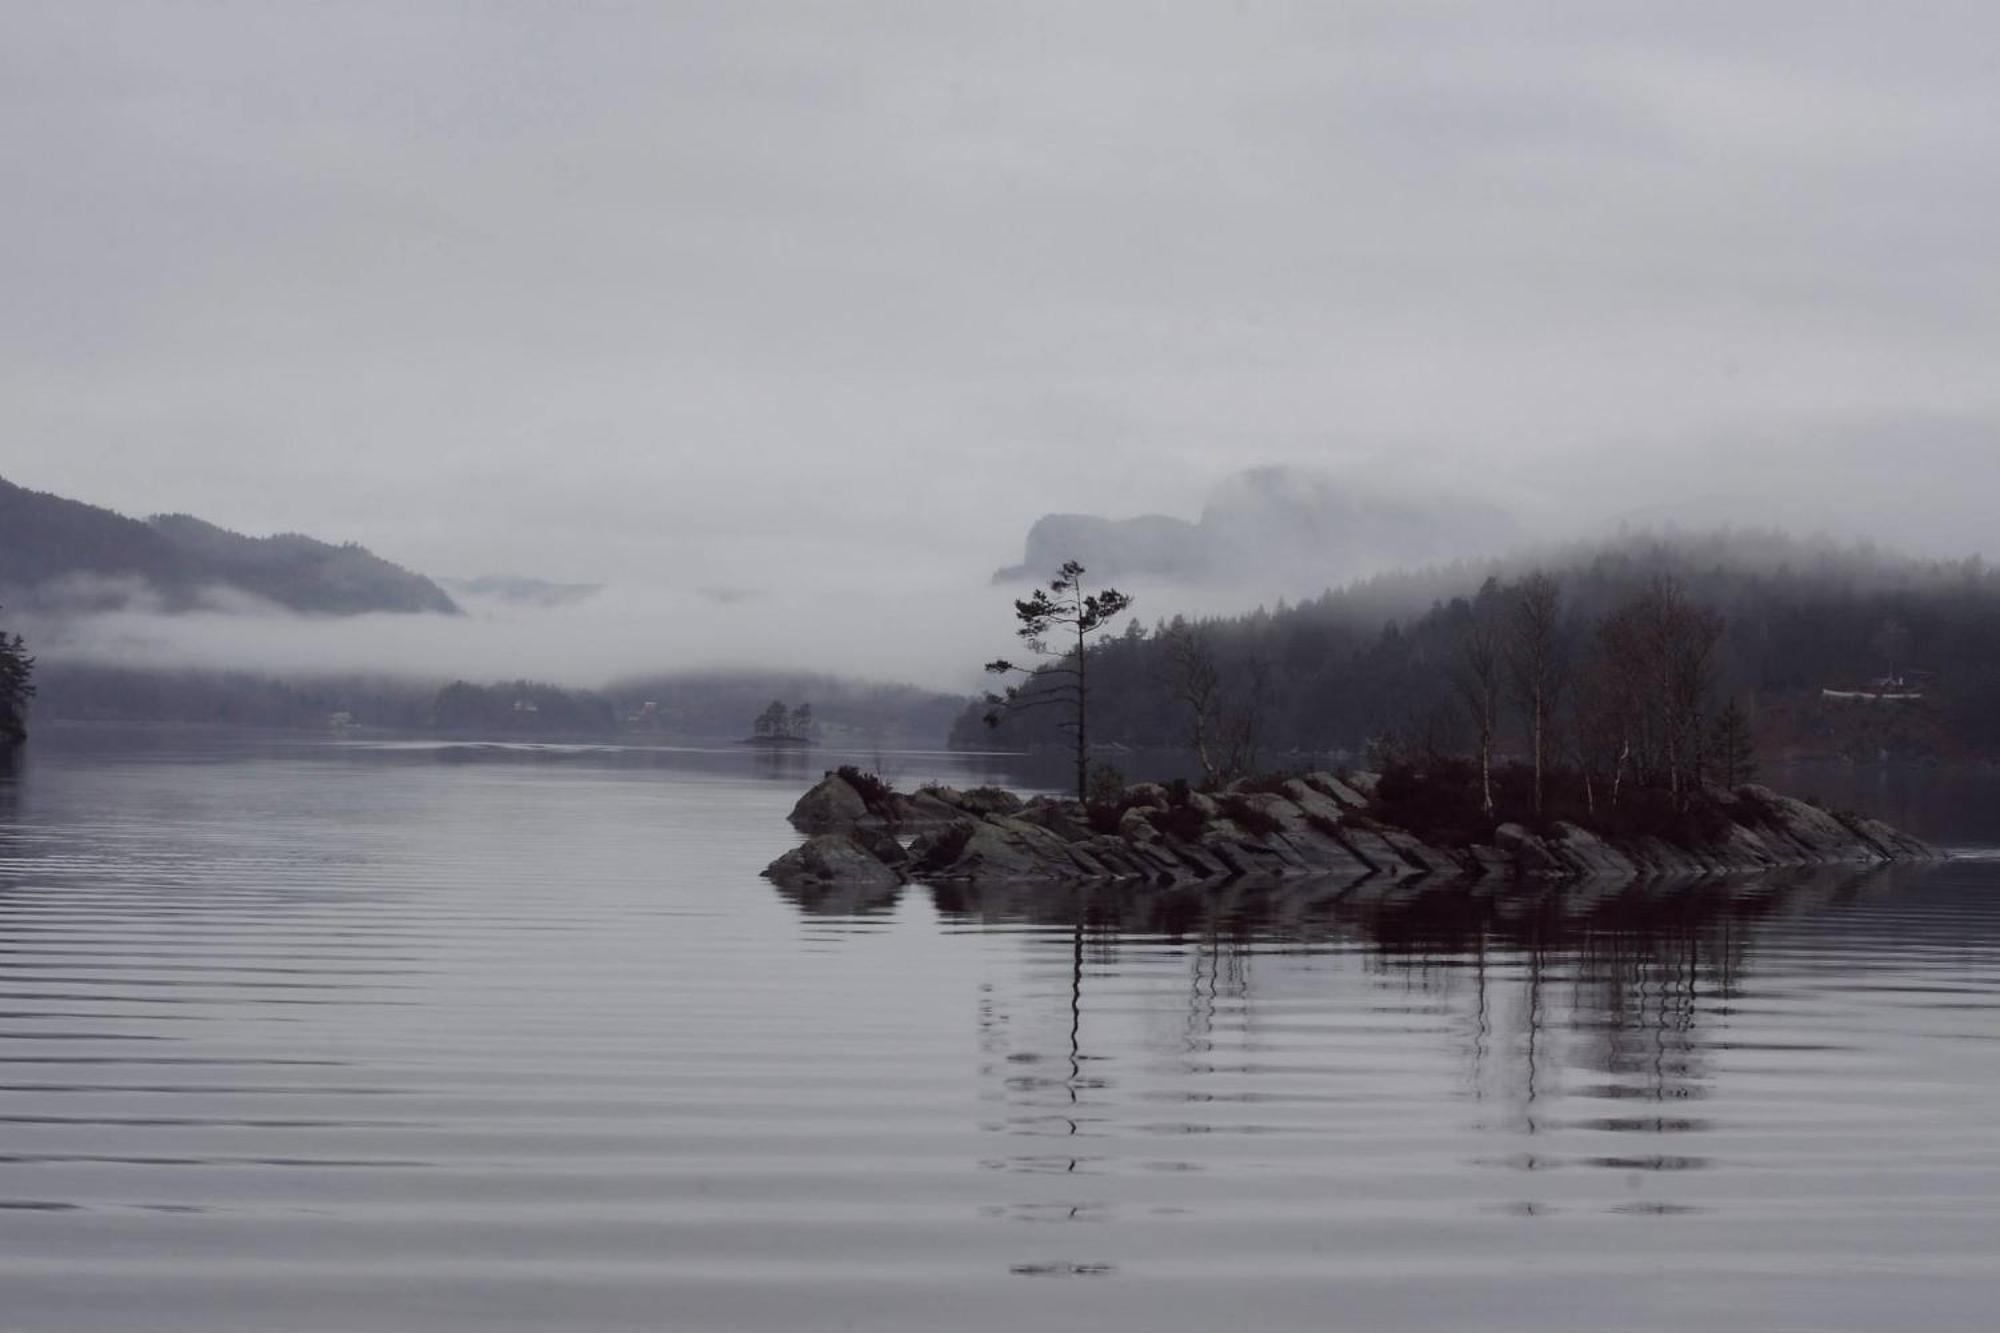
pixel 1106 803
pixel 876 794
pixel 990 801
pixel 1180 821
pixel 1437 801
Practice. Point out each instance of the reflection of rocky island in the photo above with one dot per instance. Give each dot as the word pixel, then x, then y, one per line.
pixel 1317 824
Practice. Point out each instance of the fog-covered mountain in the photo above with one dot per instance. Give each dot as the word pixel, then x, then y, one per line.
pixel 1278 525
pixel 518 590
pixel 59 555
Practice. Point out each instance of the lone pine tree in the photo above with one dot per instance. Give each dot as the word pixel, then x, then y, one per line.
pixel 1062 680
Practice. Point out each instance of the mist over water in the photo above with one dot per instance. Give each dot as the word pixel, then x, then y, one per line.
pixel 701 353
pixel 411 1035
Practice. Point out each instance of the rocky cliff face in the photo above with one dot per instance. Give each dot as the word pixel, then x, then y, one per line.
pixel 1319 824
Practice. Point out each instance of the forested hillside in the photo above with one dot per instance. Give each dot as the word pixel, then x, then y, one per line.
pixel 697 707
pixel 1383 660
pixel 58 554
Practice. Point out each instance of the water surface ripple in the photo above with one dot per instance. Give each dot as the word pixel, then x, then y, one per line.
pixel 349 1038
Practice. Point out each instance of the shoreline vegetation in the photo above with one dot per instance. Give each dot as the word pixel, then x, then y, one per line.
pixel 1403 823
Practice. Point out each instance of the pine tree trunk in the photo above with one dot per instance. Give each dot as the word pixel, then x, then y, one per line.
pixel 1082 721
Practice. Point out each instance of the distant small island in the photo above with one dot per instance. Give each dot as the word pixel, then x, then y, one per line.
pixel 1403 822
pixel 782 728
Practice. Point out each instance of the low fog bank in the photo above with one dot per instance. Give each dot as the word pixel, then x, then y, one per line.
pixel 934 638
pixel 1906 483
pixel 617 632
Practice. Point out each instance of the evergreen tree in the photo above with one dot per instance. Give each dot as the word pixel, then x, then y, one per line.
pixel 1064 608
pixel 17 686
pixel 1732 747
pixel 773 720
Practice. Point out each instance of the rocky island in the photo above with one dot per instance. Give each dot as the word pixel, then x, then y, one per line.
pixel 862 832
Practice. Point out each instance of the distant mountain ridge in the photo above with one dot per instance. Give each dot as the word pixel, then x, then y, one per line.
pixel 1274 523
pixel 58 554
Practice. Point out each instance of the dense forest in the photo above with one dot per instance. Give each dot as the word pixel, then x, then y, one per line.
pixel 58 554
pixel 17 688
pixel 699 707
pixel 1381 663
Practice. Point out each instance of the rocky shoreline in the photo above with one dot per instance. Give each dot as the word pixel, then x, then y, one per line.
pixel 862 833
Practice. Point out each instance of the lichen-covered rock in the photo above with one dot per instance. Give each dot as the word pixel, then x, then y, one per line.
pixel 1135 827
pixel 881 844
pixel 832 806
pixel 833 858
pixel 1342 792
pixel 1417 855
pixel 1589 855
pixel 1311 801
pixel 992 849
pixel 1362 784
pixel 1530 854
pixel 1374 851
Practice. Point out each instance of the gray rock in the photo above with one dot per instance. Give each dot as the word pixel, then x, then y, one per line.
pixel 935 848
pixel 832 858
pixel 1377 854
pixel 1311 829
pixel 831 806
pixel 1489 862
pixel 927 809
pixel 880 844
pixel 991 853
pixel 1417 855
pixel 1134 827
pixel 1312 801
pixel 1200 863
pixel 1531 855
pixel 1589 855
pixel 1340 791
pixel 1065 819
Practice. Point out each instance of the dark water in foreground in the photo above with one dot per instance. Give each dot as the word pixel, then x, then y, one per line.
pixel 351 1038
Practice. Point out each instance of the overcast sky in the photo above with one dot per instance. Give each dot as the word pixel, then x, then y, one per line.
pixel 739 295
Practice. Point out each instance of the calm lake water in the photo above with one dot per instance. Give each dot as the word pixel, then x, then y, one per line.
pixel 318 1036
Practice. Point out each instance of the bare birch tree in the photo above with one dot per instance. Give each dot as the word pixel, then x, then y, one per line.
pixel 1479 678
pixel 1538 662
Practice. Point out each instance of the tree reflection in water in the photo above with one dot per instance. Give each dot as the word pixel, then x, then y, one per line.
pixel 1535 982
